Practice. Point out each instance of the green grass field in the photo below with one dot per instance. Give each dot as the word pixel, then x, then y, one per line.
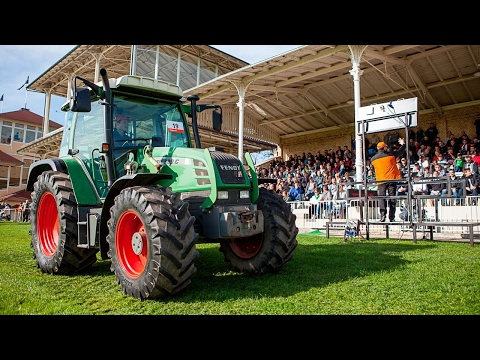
pixel 325 276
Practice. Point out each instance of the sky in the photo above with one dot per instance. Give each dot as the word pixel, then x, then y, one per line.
pixel 22 62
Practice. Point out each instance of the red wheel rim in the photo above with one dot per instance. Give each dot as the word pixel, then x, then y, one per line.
pixel 48 225
pixel 246 249
pixel 132 244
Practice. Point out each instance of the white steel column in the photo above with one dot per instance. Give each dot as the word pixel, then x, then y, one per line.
pixel 179 59
pixel 355 56
pixel 96 77
pixel 133 60
pixel 157 60
pixel 241 90
pixel 46 113
pixel 241 117
pixel 68 95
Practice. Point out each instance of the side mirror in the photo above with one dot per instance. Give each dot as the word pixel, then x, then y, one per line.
pixel 81 100
pixel 217 120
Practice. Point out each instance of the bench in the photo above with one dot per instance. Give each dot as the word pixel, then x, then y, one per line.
pixel 431 224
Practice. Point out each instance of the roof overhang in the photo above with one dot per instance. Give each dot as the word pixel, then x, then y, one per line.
pixel 309 89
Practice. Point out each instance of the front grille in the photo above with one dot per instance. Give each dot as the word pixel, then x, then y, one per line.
pixel 229 167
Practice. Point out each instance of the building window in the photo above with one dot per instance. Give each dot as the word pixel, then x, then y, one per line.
pixel 6 132
pixel 18 132
pixel 30 134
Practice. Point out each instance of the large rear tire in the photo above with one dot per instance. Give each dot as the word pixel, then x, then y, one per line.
pixel 270 251
pixel 152 242
pixel 53 218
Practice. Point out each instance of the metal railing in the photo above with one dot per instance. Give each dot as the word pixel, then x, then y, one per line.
pixel 422 208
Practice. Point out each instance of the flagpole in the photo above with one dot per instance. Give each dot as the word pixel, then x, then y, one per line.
pixel 26 83
pixel 28 77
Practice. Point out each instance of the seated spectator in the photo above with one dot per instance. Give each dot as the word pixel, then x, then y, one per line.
pixel 440 170
pixel 455 187
pixel 419 187
pixel 476 157
pixel 333 186
pixel 471 184
pixel 310 188
pixel 441 159
pixel 402 189
pixel 470 164
pixel 339 202
pixel 348 181
pixel 458 163
pixel 371 184
pixel 417 170
pixel 296 192
pixel 285 196
pixel 436 187
pixel 326 201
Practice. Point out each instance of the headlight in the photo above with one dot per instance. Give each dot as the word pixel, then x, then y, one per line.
pixel 244 194
pixel 222 195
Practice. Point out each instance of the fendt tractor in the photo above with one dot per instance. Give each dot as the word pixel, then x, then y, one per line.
pixel 146 200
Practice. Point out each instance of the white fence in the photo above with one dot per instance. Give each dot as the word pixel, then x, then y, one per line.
pixel 15 215
pixel 434 211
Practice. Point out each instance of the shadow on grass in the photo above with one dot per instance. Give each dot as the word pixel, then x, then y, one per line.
pixel 312 266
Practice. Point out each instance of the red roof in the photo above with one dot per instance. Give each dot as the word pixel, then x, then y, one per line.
pixel 17 197
pixel 8 160
pixel 29 117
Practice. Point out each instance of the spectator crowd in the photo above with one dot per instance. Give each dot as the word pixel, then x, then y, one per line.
pixel 329 174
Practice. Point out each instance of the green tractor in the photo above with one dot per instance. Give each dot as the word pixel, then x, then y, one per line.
pixel 129 184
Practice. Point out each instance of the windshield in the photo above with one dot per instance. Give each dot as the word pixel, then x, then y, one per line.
pixel 138 122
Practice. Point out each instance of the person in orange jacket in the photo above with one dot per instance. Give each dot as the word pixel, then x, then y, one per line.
pixel 19 212
pixel 385 165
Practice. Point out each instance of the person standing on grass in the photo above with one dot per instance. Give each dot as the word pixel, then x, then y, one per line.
pixel 385 167
pixel 7 211
pixel 25 211
pixel 19 212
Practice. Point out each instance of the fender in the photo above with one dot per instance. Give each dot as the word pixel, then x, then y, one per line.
pixel 44 165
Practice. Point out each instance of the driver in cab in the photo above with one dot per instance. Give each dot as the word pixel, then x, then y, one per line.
pixel 120 134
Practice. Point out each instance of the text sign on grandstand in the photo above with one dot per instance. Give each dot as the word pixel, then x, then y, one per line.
pixel 387 116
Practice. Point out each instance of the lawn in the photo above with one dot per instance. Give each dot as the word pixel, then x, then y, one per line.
pixel 325 276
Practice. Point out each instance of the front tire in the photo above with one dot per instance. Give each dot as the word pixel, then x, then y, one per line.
pixel 270 251
pixel 152 242
pixel 53 218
